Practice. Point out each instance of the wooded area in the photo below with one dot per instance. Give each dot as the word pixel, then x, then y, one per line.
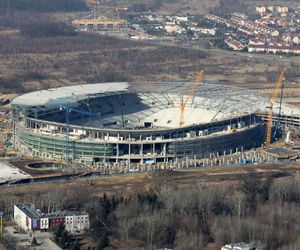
pixel 42 5
pixel 264 211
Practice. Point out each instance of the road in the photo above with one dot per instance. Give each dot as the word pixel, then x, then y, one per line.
pixel 213 51
pixel 195 45
pixel 216 51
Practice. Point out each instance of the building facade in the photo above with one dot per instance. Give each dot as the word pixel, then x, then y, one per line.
pixel 141 126
pixel 29 218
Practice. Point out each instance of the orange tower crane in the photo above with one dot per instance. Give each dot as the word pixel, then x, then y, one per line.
pixel 183 104
pixel 279 85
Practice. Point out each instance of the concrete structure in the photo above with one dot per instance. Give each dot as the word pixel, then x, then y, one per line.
pixel 29 218
pixel 8 173
pixel 137 122
pixel 273 9
pixel 100 24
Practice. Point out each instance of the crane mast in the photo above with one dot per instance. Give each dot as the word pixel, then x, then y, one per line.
pixel 183 104
pixel 272 100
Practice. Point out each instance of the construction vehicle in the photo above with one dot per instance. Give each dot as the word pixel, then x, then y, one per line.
pixel 279 86
pixel 183 104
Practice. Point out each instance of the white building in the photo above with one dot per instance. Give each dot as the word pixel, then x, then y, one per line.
pixel 238 246
pixel 21 218
pixel 44 223
pixel 205 31
pixel 77 223
pixel 173 29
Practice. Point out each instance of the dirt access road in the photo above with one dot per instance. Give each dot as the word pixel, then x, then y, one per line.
pixel 139 182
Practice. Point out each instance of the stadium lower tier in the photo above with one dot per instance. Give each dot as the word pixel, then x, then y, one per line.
pixel 97 146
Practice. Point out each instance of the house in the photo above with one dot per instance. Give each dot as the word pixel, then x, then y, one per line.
pixel 29 218
pixel 234 44
pixel 291 37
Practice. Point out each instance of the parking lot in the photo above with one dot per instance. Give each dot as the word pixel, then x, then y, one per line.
pixel 22 240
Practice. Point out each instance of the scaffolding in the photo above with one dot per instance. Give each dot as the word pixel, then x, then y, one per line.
pixel 129 126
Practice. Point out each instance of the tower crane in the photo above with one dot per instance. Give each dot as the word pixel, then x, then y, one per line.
pixel 68 111
pixel 279 85
pixel 183 104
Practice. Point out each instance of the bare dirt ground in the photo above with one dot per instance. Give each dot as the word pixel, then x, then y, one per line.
pixel 38 63
pixel 139 182
pixel 102 62
pixel 177 6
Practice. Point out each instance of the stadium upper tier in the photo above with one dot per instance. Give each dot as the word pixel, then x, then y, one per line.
pixel 67 96
pixel 142 105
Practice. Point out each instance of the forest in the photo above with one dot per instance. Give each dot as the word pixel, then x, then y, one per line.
pixel 191 216
pixel 42 5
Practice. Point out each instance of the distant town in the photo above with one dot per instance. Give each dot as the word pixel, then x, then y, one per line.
pixel 269 29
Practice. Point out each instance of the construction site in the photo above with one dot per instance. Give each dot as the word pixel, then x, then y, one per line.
pixel 99 22
pixel 143 124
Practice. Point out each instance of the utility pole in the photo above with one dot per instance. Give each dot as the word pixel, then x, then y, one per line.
pixel 1 223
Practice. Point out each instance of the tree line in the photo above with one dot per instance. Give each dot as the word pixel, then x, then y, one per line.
pixel 265 212
pixel 42 5
pixel 199 216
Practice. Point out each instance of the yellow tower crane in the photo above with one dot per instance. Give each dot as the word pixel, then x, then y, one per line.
pixel 183 104
pixel 272 100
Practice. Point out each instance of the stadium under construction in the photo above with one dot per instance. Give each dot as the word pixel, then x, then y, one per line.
pixel 138 122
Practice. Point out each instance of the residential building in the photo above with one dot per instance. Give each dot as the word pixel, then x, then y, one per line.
pixel 273 9
pixel 261 9
pixel 291 38
pixel 234 44
pixel 274 48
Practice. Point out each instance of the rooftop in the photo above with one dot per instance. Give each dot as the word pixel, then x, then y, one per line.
pixel 69 95
pixel 31 211
pixel 152 102
pixel 10 173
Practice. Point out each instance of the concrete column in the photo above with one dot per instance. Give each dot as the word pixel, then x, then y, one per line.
pixel 117 160
pixel 129 152
pixel 153 150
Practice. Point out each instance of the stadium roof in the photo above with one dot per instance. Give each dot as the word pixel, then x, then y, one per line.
pixel 64 96
pixel 221 100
